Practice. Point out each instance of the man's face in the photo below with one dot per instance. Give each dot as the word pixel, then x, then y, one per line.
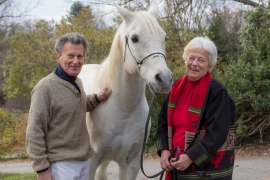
pixel 72 58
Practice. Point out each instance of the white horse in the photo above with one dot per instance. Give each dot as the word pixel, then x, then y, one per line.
pixel 116 126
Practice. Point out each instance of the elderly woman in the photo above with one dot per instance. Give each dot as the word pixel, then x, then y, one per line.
pixel 198 118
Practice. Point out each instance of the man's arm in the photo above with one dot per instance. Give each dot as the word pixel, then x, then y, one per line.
pixel 37 128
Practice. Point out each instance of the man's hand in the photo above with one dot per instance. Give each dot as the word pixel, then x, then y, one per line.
pixel 104 93
pixel 164 162
pixel 46 175
pixel 182 164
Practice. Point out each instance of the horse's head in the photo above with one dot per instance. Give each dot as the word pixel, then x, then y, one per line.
pixel 144 53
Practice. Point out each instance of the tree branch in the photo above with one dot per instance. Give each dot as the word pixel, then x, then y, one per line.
pixel 248 2
pixel 2 2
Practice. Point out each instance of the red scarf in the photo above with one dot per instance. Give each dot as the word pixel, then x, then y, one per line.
pixel 194 110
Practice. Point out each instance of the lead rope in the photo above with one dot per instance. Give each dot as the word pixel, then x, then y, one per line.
pixel 161 173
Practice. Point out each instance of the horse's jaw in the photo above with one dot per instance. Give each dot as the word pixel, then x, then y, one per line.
pixel 159 93
pixel 157 76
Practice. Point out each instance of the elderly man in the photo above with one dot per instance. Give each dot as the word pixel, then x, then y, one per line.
pixel 57 140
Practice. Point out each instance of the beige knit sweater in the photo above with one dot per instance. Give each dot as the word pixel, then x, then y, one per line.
pixel 56 128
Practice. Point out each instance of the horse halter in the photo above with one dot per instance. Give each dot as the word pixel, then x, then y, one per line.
pixel 139 64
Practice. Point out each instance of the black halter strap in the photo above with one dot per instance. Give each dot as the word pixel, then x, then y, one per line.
pixel 176 149
pixel 139 64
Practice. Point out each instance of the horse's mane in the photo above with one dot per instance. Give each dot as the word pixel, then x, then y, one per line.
pixel 106 72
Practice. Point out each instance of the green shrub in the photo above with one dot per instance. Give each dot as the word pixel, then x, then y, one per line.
pixel 6 131
pixel 12 133
pixel 248 78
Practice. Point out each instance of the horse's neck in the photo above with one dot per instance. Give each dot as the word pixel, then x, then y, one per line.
pixel 127 86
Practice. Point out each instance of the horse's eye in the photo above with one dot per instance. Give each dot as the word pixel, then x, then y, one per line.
pixel 166 37
pixel 134 38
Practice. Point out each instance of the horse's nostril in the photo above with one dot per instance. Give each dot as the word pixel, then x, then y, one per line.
pixel 158 78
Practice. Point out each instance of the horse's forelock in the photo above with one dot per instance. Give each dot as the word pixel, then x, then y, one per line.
pixel 149 22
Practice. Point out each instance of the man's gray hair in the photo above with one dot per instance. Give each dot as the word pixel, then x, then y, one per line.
pixel 73 38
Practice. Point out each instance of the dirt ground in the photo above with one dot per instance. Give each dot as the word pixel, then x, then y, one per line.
pixel 251 163
pixel 249 168
pixel 252 151
pixel 247 151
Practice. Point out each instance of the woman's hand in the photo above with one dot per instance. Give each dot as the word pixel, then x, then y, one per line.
pixel 182 164
pixel 164 162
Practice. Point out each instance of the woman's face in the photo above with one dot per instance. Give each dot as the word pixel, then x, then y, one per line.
pixel 197 64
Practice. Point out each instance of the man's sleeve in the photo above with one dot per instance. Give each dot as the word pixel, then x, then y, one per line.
pixel 37 128
pixel 91 102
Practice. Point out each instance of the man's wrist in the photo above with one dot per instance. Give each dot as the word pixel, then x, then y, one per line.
pixel 42 170
pixel 96 97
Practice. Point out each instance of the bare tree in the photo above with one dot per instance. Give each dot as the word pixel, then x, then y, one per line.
pixel 105 12
pixel 13 9
pixel 265 3
pixel 186 12
pixel 248 2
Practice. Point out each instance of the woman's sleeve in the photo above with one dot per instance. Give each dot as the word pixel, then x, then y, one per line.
pixel 162 129
pixel 217 118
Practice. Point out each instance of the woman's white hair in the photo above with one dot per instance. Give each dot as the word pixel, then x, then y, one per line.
pixel 202 43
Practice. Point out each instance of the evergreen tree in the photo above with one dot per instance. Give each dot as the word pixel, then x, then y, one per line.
pixel 248 78
pixel 76 8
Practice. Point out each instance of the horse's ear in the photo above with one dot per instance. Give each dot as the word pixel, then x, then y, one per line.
pixel 154 10
pixel 126 14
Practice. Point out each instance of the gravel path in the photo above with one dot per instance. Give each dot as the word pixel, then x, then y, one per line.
pixel 244 169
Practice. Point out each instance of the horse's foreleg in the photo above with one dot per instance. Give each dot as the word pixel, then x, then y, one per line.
pixel 130 165
pixel 129 171
pixel 133 168
pixel 102 171
pixel 122 172
pixel 93 165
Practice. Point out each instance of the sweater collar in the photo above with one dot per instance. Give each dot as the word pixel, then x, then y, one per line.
pixel 59 71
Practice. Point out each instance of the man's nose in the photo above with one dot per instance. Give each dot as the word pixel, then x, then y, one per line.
pixel 76 59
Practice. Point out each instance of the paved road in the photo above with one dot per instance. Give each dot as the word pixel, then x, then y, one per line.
pixel 244 169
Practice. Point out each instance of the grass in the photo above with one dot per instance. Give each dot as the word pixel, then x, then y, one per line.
pixel 13 176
